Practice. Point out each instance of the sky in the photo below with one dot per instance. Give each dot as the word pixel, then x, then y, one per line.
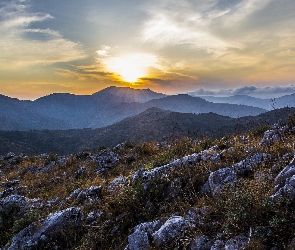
pixel 175 46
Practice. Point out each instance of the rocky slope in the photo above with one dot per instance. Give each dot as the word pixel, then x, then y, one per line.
pixel 236 192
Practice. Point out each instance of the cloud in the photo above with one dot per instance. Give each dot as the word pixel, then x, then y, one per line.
pixel 267 92
pixel 19 49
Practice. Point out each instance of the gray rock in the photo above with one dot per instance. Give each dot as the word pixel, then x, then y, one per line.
pixel 106 159
pixel 16 205
pixel 80 173
pixel 172 228
pixel 237 243
pixel 57 229
pixel 201 243
pixel 247 166
pixel 284 184
pixel 117 183
pixel 139 240
pixel 11 183
pixel 149 227
pixel 219 178
pixel 217 245
pixel 89 193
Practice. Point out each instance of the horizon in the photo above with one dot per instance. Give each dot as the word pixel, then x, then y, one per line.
pixel 262 93
pixel 168 46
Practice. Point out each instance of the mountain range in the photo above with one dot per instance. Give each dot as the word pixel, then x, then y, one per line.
pixel 268 104
pixel 106 107
pixel 153 124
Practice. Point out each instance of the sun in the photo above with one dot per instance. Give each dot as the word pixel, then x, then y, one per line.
pixel 131 67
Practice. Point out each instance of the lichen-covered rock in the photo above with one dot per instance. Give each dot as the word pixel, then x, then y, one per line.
pixel 201 243
pixel 89 193
pixel 247 166
pixel 56 230
pixel 117 183
pixel 149 227
pixel 217 245
pixel 16 205
pixel 237 243
pixel 106 159
pixel 219 178
pixel 210 154
pixel 171 229
pixel 139 240
pixel 284 184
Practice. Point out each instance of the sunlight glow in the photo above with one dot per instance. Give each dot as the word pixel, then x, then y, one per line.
pixel 132 67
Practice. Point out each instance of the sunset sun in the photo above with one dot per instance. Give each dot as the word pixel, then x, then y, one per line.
pixel 131 67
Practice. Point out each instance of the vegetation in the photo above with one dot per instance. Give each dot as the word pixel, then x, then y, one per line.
pixel 244 208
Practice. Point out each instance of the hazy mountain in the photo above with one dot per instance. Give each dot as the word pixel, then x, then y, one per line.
pixel 268 104
pixel 106 107
pixel 153 124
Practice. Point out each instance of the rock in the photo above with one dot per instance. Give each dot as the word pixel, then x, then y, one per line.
pixel 284 184
pixel 16 205
pixel 210 154
pixel 89 193
pixel 149 227
pixel 57 229
pixel 106 159
pixel 247 166
pixel 217 245
pixel 172 228
pixel 117 183
pixel 219 178
pixel 237 243
pixel 79 173
pixel 92 216
pixel 201 243
pixel 139 240
pixel 9 184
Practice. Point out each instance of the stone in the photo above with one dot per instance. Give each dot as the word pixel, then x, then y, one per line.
pixel 217 245
pixel 139 240
pixel 172 228
pixel 57 229
pixel 11 183
pixel 237 243
pixel 219 178
pixel 201 243
pixel 117 183
pixel 106 159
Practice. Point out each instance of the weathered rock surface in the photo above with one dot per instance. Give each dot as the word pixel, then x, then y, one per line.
pixel 172 228
pixel 201 243
pixel 284 184
pixel 106 159
pixel 56 230
pixel 237 243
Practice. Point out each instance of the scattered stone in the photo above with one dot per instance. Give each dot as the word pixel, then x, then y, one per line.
pixel 172 228
pixel 201 243
pixel 81 172
pixel 284 184
pixel 219 178
pixel 11 183
pixel 57 229
pixel 89 194
pixel 217 245
pixel 237 243
pixel 106 159
pixel 117 183
pixel 139 240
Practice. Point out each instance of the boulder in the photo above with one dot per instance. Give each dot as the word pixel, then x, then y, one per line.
pixel 219 178
pixel 56 230
pixel 139 240
pixel 237 243
pixel 106 159
pixel 284 184
pixel 201 243
pixel 172 228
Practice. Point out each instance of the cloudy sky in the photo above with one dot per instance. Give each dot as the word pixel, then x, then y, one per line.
pixel 170 46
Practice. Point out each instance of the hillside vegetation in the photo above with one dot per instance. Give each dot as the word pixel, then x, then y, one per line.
pixel 235 192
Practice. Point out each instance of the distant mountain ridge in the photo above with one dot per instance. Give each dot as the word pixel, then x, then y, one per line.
pixel 268 104
pixel 106 107
pixel 153 124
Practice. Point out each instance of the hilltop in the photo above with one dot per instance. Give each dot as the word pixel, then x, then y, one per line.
pixel 235 192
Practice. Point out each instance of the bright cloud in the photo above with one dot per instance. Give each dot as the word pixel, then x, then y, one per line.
pixel 19 50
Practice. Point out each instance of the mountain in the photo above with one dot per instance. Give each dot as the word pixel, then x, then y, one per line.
pixel 268 104
pixel 106 107
pixel 153 124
